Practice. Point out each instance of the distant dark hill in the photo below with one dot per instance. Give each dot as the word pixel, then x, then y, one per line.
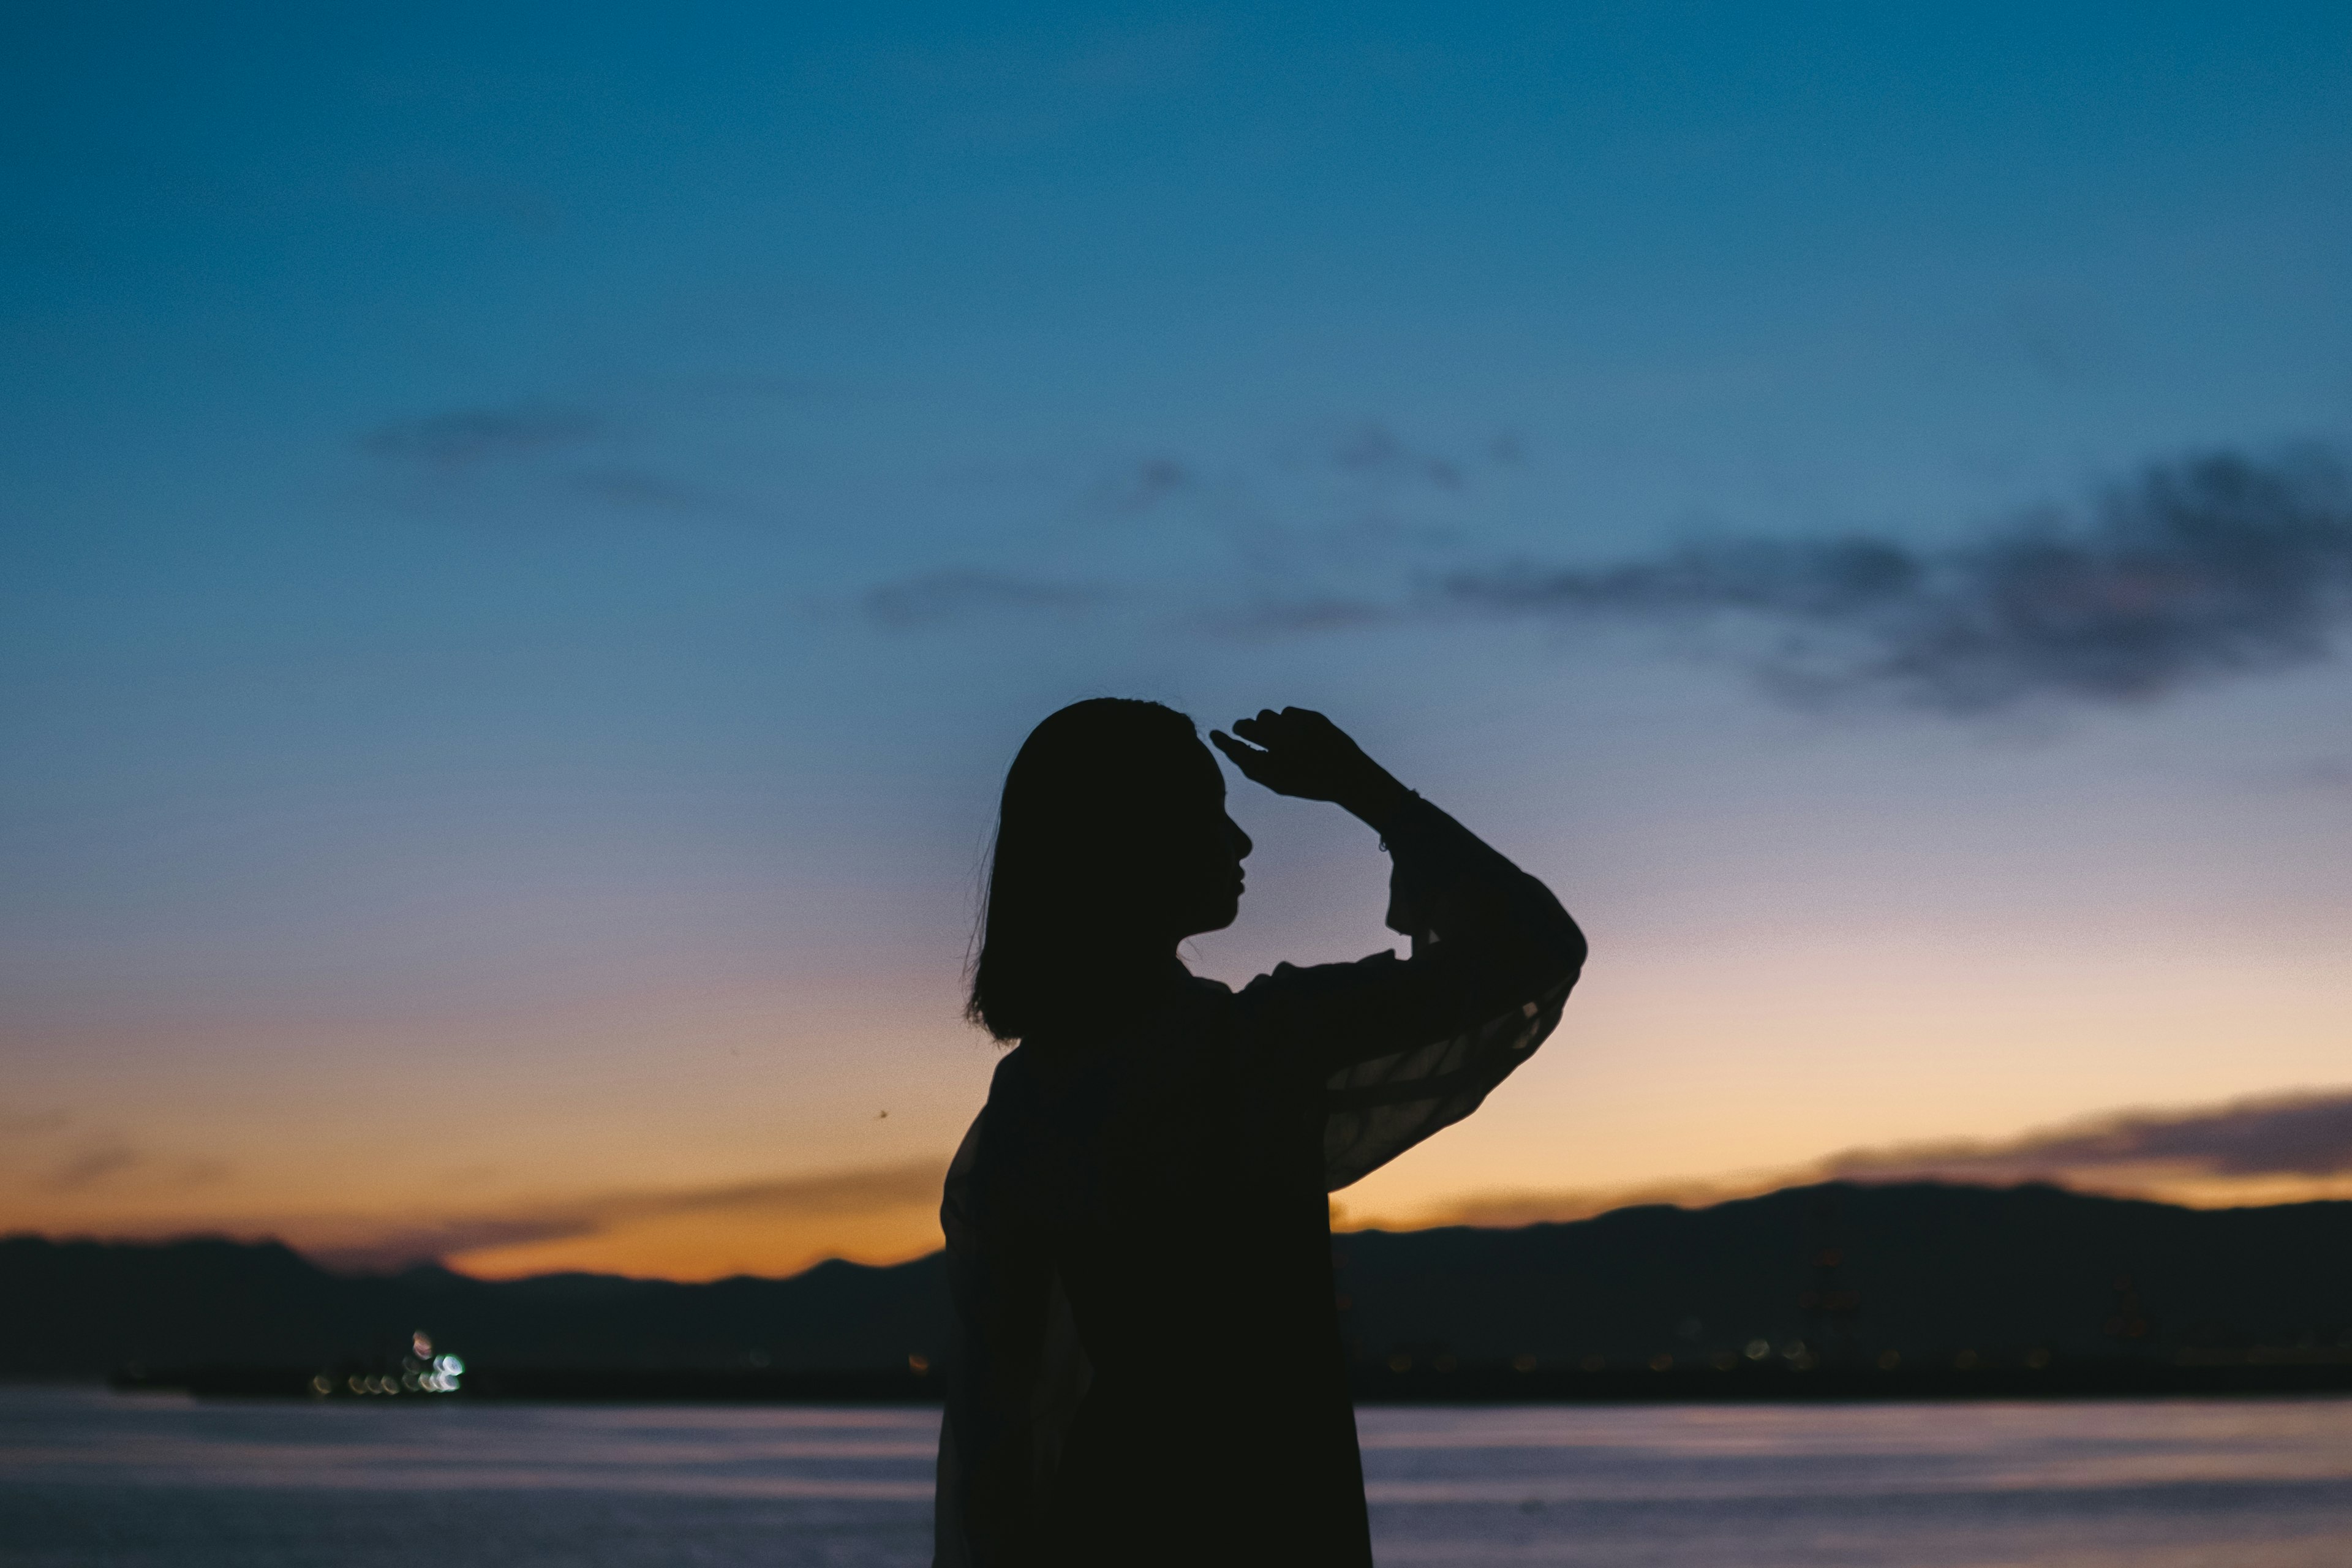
pixel 1937 1269
pixel 79 1309
pixel 1925 1271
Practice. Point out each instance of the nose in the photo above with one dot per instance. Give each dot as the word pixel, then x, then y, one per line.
pixel 1241 841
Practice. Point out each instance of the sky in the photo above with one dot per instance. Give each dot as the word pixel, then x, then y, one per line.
pixel 531 534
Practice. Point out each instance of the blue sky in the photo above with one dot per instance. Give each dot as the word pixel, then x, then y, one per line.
pixel 531 537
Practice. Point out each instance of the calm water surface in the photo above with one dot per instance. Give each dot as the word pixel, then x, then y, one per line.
pixel 95 1479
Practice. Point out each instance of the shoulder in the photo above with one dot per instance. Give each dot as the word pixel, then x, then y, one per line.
pixel 1012 1087
pixel 1012 1069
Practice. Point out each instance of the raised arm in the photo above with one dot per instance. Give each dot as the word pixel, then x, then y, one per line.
pixel 1482 931
pixel 1405 1047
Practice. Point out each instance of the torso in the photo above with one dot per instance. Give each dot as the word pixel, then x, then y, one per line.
pixel 1174 1174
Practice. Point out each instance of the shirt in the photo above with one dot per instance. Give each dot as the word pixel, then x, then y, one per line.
pixel 1148 1366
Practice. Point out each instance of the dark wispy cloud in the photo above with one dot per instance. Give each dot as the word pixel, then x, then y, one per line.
pixel 89 1166
pixel 930 598
pixel 2260 1148
pixel 1310 535
pixel 862 1190
pixel 2307 1134
pixel 2065 339
pixel 1277 616
pixel 55 1151
pixel 2222 565
pixel 105 1161
pixel 645 491
pixel 2187 573
pixel 380 1248
pixel 1374 451
pixel 464 437
pixel 1137 488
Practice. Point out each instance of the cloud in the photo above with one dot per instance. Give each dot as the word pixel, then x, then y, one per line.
pixel 2269 1147
pixel 2186 573
pixel 1314 533
pixel 2291 1135
pixel 466 437
pixel 1282 616
pixel 638 489
pixel 2066 339
pixel 92 1165
pixel 365 1245
pixel 2218 566
pixel 1373 451
pixel 930 598
pixel 55 1151
pixel 858 1189
pixel 1138 488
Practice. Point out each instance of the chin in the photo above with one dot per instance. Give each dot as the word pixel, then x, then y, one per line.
pixel 1220 918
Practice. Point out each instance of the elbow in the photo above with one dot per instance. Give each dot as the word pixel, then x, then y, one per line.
pixel 1563 939
pixel 1569 948
pixel 1575 949
pixel 1550 948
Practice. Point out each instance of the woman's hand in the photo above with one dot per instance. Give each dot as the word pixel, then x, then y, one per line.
pixel 1299 752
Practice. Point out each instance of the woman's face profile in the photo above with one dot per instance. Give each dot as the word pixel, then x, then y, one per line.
pixel 1206 849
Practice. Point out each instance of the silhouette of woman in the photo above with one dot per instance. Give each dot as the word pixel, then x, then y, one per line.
pixel 1149 1367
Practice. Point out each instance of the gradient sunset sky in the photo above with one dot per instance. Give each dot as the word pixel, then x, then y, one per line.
pixel 530 539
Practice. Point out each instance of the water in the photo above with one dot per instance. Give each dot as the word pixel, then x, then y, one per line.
pixel 94 1479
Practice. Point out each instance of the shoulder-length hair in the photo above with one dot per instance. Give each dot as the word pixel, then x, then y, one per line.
pixel 1087 800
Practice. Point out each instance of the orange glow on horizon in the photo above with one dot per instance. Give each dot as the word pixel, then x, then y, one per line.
pixel 697 1247
pixel 719 1244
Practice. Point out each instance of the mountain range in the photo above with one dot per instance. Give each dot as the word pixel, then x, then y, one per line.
pixel 1838 1271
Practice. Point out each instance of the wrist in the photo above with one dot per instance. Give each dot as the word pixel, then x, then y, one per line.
pixel 1378 801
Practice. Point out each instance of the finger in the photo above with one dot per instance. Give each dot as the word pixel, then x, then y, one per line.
pixel 1244 757
pixel 1245 763
pixel 1268 723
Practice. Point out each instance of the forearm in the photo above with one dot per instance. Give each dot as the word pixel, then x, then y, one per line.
pixel 1376 799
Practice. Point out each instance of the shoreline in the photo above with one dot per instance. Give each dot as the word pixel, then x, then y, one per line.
pixel 2272 1376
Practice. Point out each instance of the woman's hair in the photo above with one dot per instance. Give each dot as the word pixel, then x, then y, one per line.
pixel 1083 821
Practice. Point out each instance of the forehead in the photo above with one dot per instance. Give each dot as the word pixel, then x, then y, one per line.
pixel 1201 767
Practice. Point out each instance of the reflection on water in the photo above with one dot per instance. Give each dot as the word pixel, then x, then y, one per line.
pixel 93 1479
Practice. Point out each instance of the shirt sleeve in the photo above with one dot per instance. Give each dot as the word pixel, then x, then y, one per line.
pixel 1405 1047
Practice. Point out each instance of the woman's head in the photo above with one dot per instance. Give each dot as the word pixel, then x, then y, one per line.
pixel 1112 846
